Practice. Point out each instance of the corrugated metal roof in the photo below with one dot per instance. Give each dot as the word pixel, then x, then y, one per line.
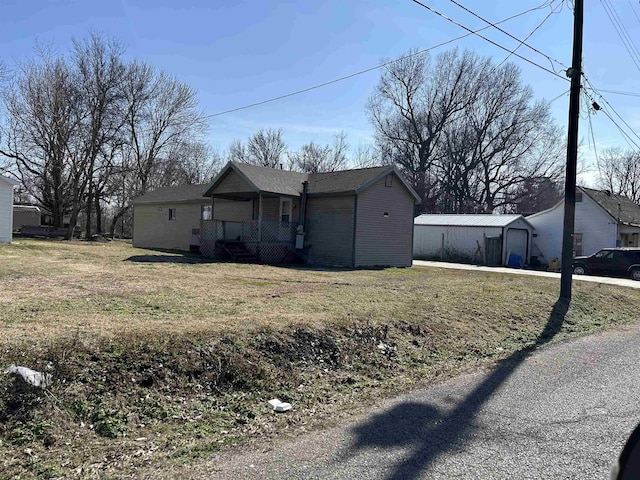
pixel 464 220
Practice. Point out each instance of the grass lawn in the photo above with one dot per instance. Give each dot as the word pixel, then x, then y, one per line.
pixel 159 358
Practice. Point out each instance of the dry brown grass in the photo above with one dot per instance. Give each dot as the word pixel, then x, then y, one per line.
pixel 164 345
pixel 49 289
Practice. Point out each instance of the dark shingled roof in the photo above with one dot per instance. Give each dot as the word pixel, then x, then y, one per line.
pixel 272 180
pixel 627 212
pixel 344 181
pixel 177 194
pixel 284 182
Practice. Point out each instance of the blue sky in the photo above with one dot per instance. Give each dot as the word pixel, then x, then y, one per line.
pixel 236 53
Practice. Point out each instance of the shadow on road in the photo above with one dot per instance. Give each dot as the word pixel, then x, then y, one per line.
pixel 430 432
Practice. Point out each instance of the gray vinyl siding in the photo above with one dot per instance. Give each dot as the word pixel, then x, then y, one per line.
pixel 232 210
pixel 25 217
pixel 232 183
pixel 153 229
pixel 384 240
pixel 6 211
pixel 329 230
pixel 271 208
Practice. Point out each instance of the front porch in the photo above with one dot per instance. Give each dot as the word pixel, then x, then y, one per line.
pixel 270 241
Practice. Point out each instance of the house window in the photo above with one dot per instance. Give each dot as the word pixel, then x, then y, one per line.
pixel 286 205
pixel 388 180
pixel 577 244
pixel 578 196
pixel 172 214
pixel 205 212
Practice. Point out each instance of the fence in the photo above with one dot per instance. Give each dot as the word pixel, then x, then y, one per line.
pixel 271 241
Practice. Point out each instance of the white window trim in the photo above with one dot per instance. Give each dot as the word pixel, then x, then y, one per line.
pixel 284 201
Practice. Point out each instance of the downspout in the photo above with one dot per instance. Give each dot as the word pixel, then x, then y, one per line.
pixel 303 205
pixel 355 224
pixel 259 223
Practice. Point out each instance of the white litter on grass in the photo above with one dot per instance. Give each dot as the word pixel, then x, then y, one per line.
pixel 37 379
pixel 279 406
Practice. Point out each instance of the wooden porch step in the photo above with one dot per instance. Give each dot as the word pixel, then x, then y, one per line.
pixel 238 252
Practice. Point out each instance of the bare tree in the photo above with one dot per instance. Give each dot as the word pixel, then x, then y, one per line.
pixel 100 69
pixel 265 148
pixel 411 106
pixel 502 140
pixel 43 118
pixel 314 158
pixel 619 172
pixel 365 156
pixel 161 114
pixel 465 132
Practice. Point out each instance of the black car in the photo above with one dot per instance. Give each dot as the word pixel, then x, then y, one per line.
pixel 617 262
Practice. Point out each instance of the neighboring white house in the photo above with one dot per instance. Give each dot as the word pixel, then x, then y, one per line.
pixel 602 220
pixel 6 208
pixel 469 237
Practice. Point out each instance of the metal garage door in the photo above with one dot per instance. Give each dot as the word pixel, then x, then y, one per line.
pixel 517 242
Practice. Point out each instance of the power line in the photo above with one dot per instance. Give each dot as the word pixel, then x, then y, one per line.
pixel 367 70
pixel 611 107
pixel 527 38
pixel 617 92
pixel 626 136
pixel 487 39
pixel 618 28
pixel 634 10
pixel 521 42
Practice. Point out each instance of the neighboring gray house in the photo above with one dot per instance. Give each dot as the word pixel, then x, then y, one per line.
pixel 6 208
pixel 602 219
pixel 26 215
pixel 482 238
pixel 352 218
pixel 169 218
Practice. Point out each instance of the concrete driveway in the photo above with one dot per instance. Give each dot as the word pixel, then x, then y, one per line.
pixel 623 282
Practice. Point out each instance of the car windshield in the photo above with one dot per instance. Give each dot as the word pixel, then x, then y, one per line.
pixel 603 254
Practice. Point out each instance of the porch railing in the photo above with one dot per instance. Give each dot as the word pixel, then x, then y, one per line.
pixel 259 238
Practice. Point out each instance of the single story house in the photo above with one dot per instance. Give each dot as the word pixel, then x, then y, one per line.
pixel 480 238
pixel 169 218
pixel 352 218
pixel 26 215
pixel 6 208
pixel 602 219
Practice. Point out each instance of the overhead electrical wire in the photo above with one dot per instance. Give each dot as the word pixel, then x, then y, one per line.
pixel 634 10
pixel 527 38
pixel 626 40
pixel 488 40
pixel 376 67
pixel 521 42
pixel 605 107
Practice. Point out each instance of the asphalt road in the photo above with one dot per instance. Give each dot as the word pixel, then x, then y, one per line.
pixel 563 411
pixel 624 282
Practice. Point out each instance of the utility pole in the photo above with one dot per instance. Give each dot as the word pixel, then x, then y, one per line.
pixel 575 74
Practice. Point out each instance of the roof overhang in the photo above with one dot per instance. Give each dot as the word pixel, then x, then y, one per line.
pixel 10 181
